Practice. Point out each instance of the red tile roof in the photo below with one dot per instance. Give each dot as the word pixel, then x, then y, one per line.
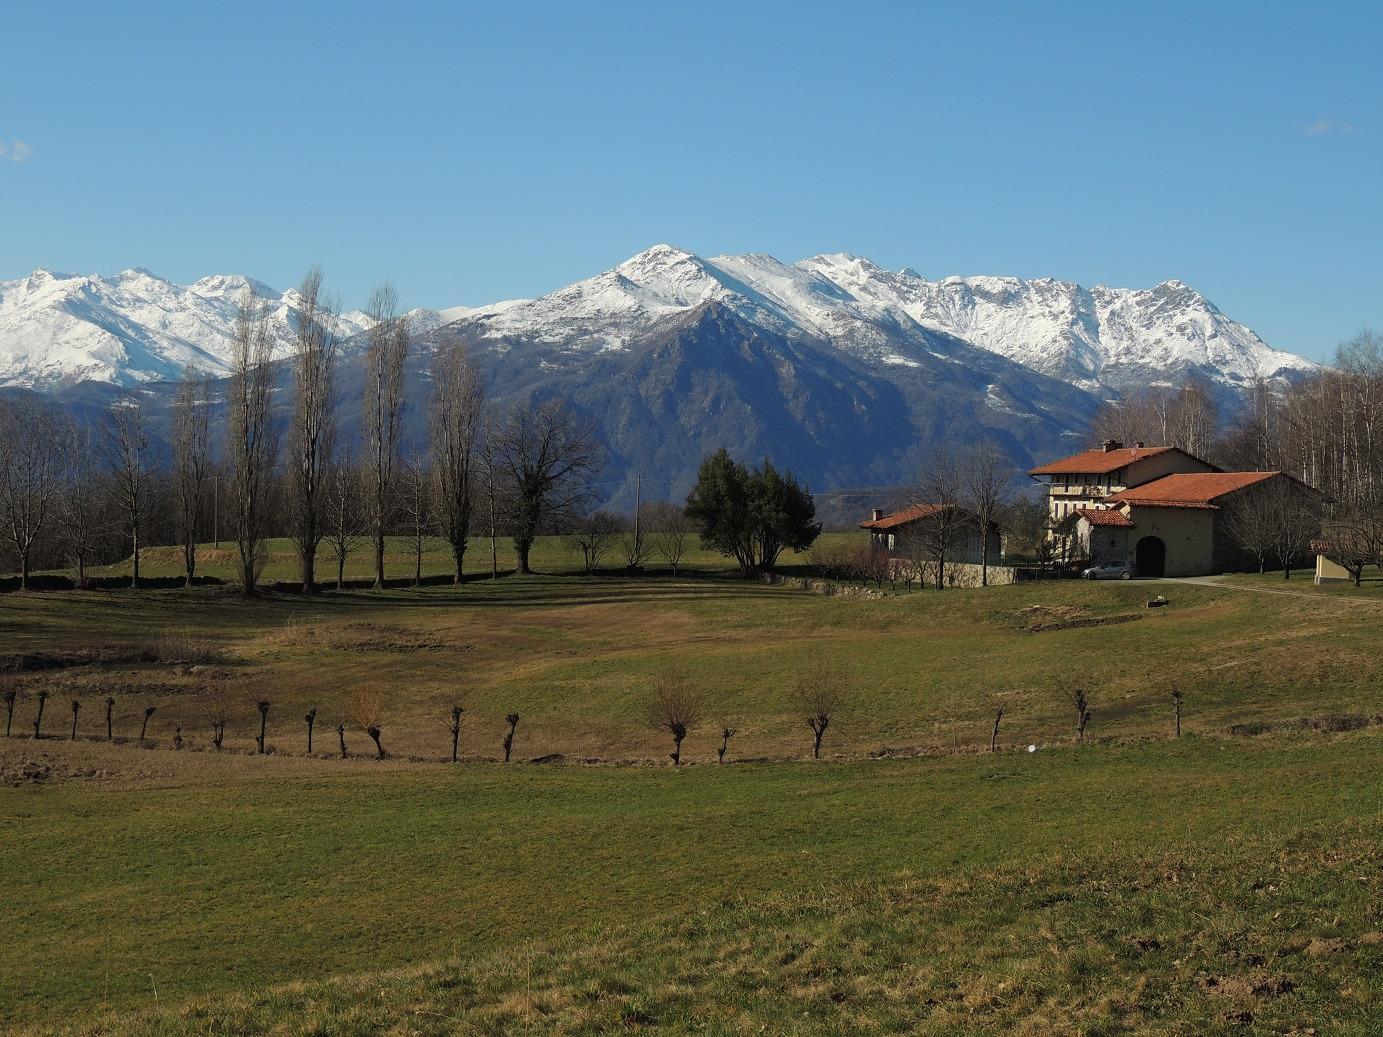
pixel 1190 489
pixel 899 518
pixel 1099 461
pixel 1109 517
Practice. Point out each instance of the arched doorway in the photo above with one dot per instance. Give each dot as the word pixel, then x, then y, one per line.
pixel 1150 557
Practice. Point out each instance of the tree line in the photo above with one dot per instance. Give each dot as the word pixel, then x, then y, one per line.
pixel 78 493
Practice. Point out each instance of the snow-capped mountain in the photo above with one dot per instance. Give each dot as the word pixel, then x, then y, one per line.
pixel 844 372
pixel 58 329
pixel 1106 340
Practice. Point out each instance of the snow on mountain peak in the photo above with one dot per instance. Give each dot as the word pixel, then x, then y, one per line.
pixel 134 326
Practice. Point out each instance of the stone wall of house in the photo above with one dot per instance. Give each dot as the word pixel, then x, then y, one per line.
pixel 957 574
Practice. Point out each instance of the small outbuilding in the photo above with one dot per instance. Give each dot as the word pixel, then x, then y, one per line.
pixel 891 532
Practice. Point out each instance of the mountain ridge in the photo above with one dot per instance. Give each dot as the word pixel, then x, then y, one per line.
pixel 134 326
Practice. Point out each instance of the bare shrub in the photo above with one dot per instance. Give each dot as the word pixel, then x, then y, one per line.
pixel 218 713
pixel 456 712
pixel 726 733
pixel 367 713
pixel 820 691
pixel 1082 707
pixel 675 708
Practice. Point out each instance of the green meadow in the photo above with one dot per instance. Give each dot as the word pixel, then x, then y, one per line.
pixel 910 881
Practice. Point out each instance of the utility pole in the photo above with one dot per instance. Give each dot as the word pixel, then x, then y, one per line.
pixel 216 508
pixel 638 490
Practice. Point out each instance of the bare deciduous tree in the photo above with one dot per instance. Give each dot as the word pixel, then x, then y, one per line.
pixel 312 436
pixel 251 445
pixel 110 718
pixel 82 513
pixel 454 426
pixel 310 718
pixel 343 516
pixel 385 355
pixel 592 536
pixel 547 456
pixel 674 707
pixel 191 460
pixel 985 474
pixel 1184 417
pixel 31 475
pixel 415 498
pixel 820 690
pixel 1248 526
pixel 1176 707
pixel 671 532
pixel 126 447
pixel 144 727
pixel 1292 514
pixel 932 540
pixel 994 731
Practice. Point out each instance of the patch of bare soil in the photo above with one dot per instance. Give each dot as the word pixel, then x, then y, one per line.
pixel 36 767
pixel 1333 724
pixel 1038 618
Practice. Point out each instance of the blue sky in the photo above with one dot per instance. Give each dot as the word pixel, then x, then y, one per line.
pixel 474 153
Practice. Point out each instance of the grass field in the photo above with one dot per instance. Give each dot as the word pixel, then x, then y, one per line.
pixel 1226 882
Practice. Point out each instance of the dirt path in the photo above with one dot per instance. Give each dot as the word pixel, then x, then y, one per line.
pixel 1316 596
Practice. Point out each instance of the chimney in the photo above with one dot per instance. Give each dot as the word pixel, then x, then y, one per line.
pixel 876 514
pixel 1112 444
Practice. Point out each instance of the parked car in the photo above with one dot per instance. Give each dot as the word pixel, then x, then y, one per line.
pixel 1109 571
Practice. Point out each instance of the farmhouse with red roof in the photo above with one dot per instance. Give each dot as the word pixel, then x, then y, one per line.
pixel 1164 510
